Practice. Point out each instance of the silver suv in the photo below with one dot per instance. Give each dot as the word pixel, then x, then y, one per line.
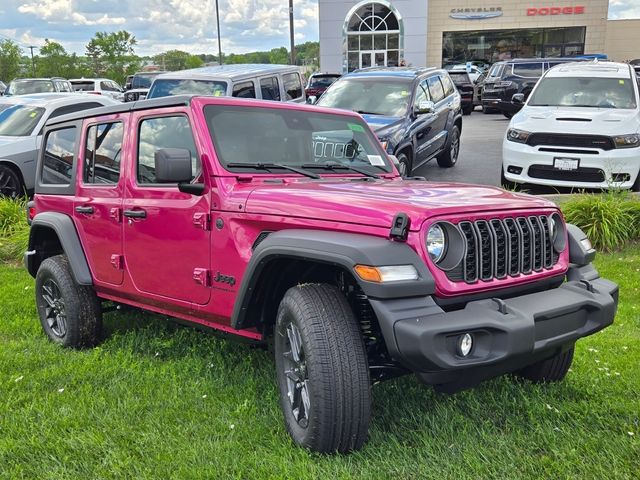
pixel 27 86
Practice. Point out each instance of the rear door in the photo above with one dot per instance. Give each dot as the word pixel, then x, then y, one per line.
pixel 443 105
pixel 98 201
pixel 166 232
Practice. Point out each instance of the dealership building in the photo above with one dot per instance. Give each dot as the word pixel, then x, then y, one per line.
pixel 357 34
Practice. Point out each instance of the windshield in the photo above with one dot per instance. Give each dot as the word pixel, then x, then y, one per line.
pixel 142 81
pixel 584 92
pixel 23 87
pixel 19 120
pixel 166 88
pixel 375 96
pixel 292 137
pixel 322 81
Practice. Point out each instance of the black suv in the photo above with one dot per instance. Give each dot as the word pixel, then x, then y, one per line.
pixel 139 85
pixel 415 112
pixel 465 86
pixel 507 78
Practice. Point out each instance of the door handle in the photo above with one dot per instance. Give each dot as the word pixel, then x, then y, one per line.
pixel 135 213
pixel 86 210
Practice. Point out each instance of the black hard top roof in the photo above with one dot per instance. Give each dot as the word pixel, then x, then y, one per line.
pixel 174 101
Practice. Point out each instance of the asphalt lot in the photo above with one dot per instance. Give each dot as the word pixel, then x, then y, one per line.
pixel 480 152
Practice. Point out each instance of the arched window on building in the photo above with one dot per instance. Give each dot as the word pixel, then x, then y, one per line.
pixel 374 36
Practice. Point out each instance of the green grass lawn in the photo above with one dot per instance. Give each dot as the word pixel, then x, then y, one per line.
pixel 158 400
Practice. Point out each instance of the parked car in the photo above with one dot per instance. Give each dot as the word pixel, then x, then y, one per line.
pixel 319 82
pixel 98 86
pixel 514 76
pixel 415 112
pixel 267 82
pixel 579 128
pixel 253 218
pixel 473 70
pixel 3 87
pixel 27 86
pixel 465 86
pixel 21 121
pixel 477 89
pixel 139 86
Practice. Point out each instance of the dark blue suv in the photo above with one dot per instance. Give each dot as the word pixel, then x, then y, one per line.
pixel 415 112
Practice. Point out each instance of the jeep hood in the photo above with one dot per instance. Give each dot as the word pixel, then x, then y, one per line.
pixel 580 120
pixel 375 203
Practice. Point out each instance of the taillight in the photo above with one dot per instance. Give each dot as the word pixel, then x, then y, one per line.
pixel 31 211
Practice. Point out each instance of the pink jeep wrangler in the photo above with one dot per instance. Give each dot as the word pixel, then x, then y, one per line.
pixel 289 224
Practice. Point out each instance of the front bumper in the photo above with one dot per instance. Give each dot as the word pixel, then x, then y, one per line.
pixel 619 167
pixel 508 334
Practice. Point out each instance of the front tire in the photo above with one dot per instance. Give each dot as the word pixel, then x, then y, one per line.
pixel 322 370
pixel 405 165
pixel 552 369
pixel 449 157
pixel 508 115
pixel 70 314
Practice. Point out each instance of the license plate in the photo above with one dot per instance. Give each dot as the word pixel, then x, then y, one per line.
pixel 566 163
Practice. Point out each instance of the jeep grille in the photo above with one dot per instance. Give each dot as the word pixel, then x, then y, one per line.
pixel 498 248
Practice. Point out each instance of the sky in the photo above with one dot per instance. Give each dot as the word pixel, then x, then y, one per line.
pixel 189 25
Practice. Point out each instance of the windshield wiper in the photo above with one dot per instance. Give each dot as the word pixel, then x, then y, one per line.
pixel 340 166
pixel 362 112
pixel 269 166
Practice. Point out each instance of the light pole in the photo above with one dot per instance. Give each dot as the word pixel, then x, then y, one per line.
pixel 293 47
pixel 218 27
pixel 33 63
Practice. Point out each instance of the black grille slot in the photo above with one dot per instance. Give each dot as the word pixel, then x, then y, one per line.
pixel 582 174
pixel 499 248
pixel 568 140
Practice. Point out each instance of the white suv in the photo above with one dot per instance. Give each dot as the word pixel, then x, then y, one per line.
pixel 579 128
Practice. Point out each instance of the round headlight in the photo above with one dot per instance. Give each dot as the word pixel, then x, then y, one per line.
pixel 557 232
pixel 436 243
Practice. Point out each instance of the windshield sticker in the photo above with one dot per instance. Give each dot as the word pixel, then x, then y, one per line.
pixel 404 93
pixel 33 114
pixel 355 127
pixel 621 82
pixel 376 160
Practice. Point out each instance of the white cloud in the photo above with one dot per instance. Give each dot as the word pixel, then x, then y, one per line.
pixel 63 11
pixel 624 9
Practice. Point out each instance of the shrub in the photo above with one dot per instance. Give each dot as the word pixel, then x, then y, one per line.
pixel 14 231
pixel 609 220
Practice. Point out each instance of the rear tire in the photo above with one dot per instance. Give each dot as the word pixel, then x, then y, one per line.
pixel 552 369
pixel 10 183
pixel 70 314
pixel 449 157
pixel 322 369
pixel 467 110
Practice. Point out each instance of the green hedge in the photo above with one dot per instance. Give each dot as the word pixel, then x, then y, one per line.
pixel 14 231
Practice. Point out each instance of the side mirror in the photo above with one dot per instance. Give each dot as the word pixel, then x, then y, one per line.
pixel 173 165
pixel 517 99
pixel 142 96
pixel 425 106
pixel 312 99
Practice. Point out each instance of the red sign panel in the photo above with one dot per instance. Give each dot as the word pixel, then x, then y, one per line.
pixel 543 11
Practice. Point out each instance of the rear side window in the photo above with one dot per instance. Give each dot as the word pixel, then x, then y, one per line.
pixel 292 86
pixel 270 88
pixel 103 153
pixel 528 70
pixel 435 88
pixel 163 132
pixel 447 85
pixel 244 90
pixel 57 165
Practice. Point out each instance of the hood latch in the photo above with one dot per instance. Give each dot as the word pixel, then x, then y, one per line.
pixel 400 227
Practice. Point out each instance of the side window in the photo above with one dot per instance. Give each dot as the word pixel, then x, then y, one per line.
pixel 270 88
pixel 244 90
pixel 292 86
pixel 447 85
pixel 528 70
pixel 422 93
pixel 103 153
pixel 57 166
pixel 106 86
pixel 435 88
pixel 163 132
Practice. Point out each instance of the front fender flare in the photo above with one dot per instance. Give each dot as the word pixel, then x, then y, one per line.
pixel 343 250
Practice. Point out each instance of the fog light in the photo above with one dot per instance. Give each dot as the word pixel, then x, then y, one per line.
pixel 465 344
pixel 514 170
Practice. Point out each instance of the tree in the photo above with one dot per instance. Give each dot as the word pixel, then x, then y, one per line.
pixel 10 54
pixel 53 61
pixel 112 54
pixel 177 60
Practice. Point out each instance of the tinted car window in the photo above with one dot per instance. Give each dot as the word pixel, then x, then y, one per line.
pixel 496 71
pixel 244 90
pixel 584 92
pixel 322 81
pixel 530 70
pixel 57 167
pixel 435 88
pixel 22 87
pixel 460 77
pixel 163 132
pixel 292 85
pixel 270 88
pixel 142 81
pixel 447 85
pixel 103 153
pixel 83 86
pixel 19 120
pixel 422 94
pixel 77 107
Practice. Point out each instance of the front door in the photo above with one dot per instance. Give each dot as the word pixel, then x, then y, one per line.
pixel 98 201
pixel 373 58
pixel 166 232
